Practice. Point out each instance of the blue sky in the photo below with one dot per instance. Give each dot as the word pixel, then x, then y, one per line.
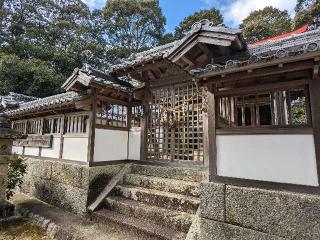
pixel 233 11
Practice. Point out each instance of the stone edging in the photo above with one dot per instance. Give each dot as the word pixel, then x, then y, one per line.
pixel 52 230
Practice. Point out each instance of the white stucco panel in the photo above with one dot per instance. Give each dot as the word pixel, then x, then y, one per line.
pixel 75 148
pixel 17 150
pixel 31 151
pixel 134 145
pixel 276 158
pixel 110 145
pixel 54 150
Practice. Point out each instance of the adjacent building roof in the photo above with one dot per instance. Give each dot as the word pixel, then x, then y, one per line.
pixel 48 102
pixel 13 100
pixel 87 75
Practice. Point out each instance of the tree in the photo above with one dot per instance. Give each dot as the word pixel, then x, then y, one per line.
pixel 306 12
pixel 184 27
pixel 265 23
pixel 133 25
pixel 28 76
pixel 59 34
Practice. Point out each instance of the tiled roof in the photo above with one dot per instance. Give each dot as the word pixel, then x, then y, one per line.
pixel 293 45
pixel 165 50
pixel 47 102
pixel 13 100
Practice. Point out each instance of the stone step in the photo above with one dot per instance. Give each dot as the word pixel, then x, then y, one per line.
pixel 185 174
pixel 163 184
pixel 104 216
pixel 158 198
pixel 178 221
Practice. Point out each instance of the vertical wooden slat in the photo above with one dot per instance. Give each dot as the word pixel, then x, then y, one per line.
pixel 61 136
pixel 314 89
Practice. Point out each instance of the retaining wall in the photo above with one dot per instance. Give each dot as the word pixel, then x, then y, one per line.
pixel 230 212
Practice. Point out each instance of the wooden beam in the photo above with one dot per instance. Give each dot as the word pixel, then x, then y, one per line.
pixel 110 186
pixel 92 126
pixel 314 90
pixel 263 87
pixel 187 60
pixel 209 134
pixel 112 100
pixel 206 51
pixel 262 72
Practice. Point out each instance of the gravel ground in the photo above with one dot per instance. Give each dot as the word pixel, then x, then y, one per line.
pixel 77 226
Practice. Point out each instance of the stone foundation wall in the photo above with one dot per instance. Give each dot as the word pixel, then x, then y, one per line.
pixel 66 185
pixel 230 212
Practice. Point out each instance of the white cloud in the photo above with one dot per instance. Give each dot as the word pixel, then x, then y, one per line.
pixel 94 4
pixel 240 9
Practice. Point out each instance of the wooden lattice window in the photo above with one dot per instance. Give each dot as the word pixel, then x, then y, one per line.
pixel 274 108
pixel 52 125
pixel 34 126
pixel 175 125
pixel 19 126
pixel 76 123
pixel 137 113
pixel 112 115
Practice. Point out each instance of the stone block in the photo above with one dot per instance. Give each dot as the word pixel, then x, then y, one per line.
pixel 39 168
pixel 68 197
pixel 290 215
pixel 69 174
pixel 212 203
pixel 213 230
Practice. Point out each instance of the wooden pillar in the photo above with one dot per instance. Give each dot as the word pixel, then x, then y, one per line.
pixel 314 90
pixel 61 135
pixel 144 126
pixel 92 126
pixel 129 116
pixel 209 132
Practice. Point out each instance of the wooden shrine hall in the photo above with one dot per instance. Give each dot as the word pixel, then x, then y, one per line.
pixel 207 137
pixel 208 100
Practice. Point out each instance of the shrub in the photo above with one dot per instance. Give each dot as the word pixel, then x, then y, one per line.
pixel 16 170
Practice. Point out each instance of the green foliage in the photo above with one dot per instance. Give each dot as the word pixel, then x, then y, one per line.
pixel 132 25
pixel 212 14
pixel 17 169
pixel 265 23
pixel 299 115
pixel 306 12
pixel 28 76
pixel 58 35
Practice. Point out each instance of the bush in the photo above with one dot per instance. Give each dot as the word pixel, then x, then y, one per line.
pixel 16 170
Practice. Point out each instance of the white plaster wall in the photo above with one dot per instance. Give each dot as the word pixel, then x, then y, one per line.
pixel 17 150
pixel 110 145
pixel 75 148
pixel 52 152
pixel 134 145
pixel 31 151
pixel 276 158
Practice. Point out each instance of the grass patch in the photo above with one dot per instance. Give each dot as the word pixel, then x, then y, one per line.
pixel 22 230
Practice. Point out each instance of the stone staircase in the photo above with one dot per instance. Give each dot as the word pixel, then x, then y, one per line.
pixel 159 201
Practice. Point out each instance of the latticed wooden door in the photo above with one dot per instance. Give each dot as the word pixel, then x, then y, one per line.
pixel 175 126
